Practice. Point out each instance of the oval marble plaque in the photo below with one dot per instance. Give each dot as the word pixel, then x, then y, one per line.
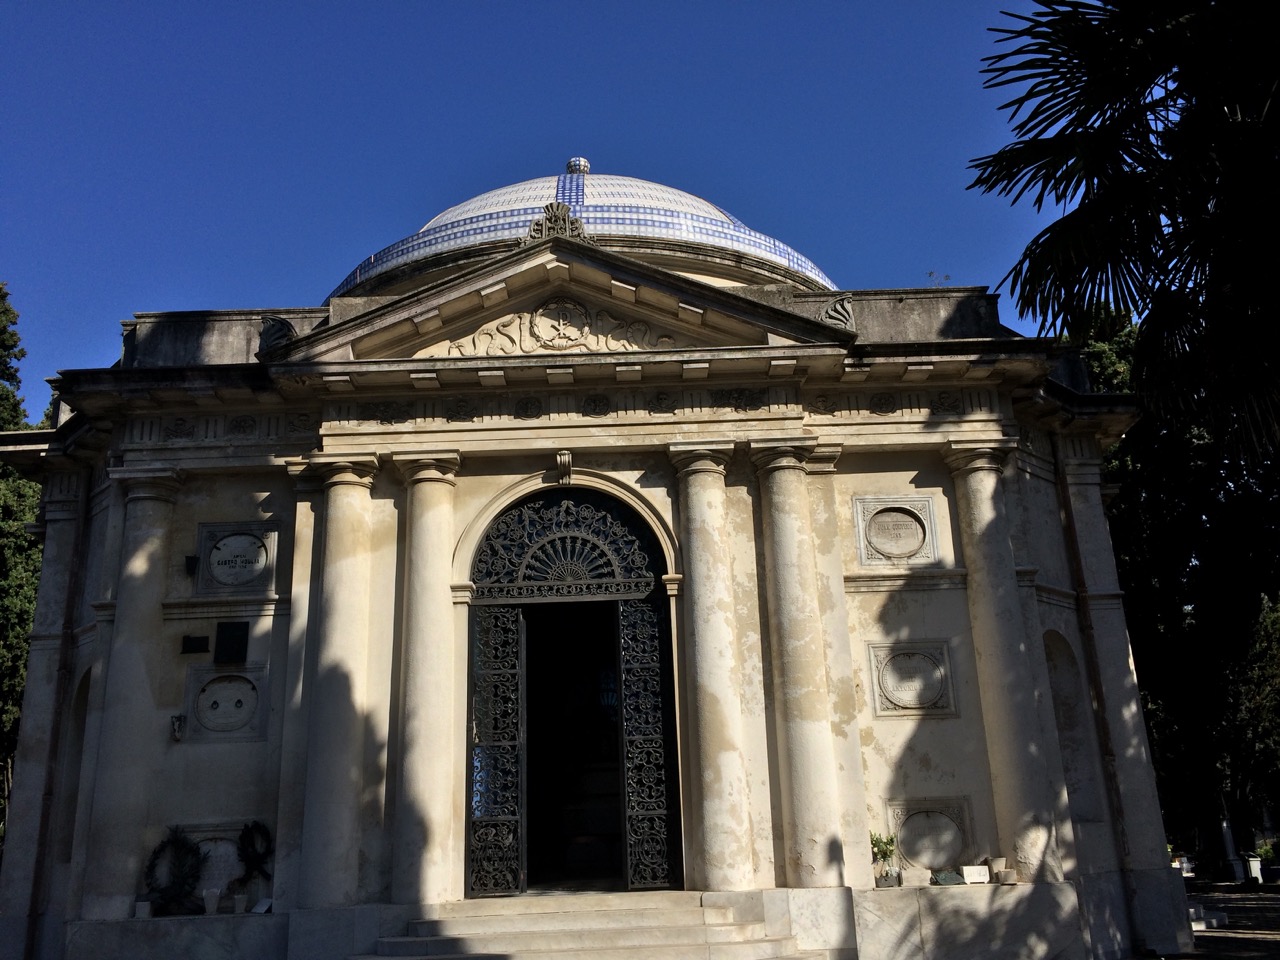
pixel 227 703
pixel 911 680
pixel 237 559
pixel 895 533
pixel 930 839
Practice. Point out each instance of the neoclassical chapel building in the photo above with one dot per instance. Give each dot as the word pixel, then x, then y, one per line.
pixel 585 573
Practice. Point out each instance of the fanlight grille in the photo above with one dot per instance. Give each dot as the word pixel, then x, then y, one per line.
pixel 568 558
pixel 539 551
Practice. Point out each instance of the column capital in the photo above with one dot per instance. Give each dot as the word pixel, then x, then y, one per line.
pixel 823 458
pixel 781 454
pixel 693 457
pixel 148 483
pixel 968 456
pixel 336 470
pixel 428 465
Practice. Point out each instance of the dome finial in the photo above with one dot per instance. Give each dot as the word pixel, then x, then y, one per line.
pixel 577 165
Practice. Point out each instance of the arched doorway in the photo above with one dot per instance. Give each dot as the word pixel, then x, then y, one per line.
pixel 572 779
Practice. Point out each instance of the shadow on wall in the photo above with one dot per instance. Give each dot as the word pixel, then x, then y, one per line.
pixel 1092 911
pixel 367 922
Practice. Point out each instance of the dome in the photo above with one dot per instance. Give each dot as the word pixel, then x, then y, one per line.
pixel 622 213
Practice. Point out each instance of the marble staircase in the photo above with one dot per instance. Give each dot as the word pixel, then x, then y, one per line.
pixel 671 925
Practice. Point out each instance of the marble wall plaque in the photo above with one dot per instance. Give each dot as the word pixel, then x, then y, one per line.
pixel 933 833
pixel 225 702
pixel 912 679
pixel 895 530
pixel 236 559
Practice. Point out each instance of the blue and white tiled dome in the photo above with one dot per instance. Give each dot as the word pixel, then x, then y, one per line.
pixel 608 206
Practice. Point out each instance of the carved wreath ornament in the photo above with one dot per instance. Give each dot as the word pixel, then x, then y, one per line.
pixel 550 552
pixel 560 325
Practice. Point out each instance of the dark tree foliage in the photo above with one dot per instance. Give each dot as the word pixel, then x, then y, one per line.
pixel 1152 125
pixel 1195 531
pixel 1251 725
pixel 19 555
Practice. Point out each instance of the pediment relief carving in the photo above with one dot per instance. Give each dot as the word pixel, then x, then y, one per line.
pixel 559 326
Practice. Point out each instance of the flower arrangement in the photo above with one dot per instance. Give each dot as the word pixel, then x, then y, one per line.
pixel 882 847
pixel 882 850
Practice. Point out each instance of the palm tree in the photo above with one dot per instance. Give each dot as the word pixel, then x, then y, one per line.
pixel 1150 124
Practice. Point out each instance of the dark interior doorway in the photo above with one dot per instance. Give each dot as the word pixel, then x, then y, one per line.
pixel 574 790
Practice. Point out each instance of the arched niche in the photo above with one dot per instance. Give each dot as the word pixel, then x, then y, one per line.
pixel 1077 740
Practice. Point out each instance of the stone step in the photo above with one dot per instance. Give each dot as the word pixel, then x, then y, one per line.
pixel 673 925
pixel 1210 920
pixel 777 949
pixel 564 903
pixel 574 920
pixel 578 938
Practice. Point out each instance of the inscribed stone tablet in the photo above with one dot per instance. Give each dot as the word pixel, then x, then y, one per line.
pixel 930 839
pixel 912 679
pixel 895 533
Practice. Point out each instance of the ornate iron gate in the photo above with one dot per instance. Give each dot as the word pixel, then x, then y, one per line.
pixel 538 551
pixel 496 849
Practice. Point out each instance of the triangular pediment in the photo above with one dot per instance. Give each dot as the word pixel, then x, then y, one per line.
pixel 565 325
pixel 555 298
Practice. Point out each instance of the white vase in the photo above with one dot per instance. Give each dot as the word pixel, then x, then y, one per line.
pixel 241 901
pixel 211 900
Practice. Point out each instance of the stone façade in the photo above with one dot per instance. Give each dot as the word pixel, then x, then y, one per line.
pixel 838 487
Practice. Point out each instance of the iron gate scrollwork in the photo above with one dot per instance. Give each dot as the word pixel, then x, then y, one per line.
pixel 582 546
pixel 644 753
pixel 495 816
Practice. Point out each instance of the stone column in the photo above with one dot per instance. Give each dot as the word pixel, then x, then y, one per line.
pixel 845 733
pixel 429 804
pixel 329 868
pixel 42 748
pixel 303 596
pixel 1006 673
pixel 724 861
pixel 1154 890
pixel 811 805
pixel 134 731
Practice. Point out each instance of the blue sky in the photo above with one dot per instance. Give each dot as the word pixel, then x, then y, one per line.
pixel 182 155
